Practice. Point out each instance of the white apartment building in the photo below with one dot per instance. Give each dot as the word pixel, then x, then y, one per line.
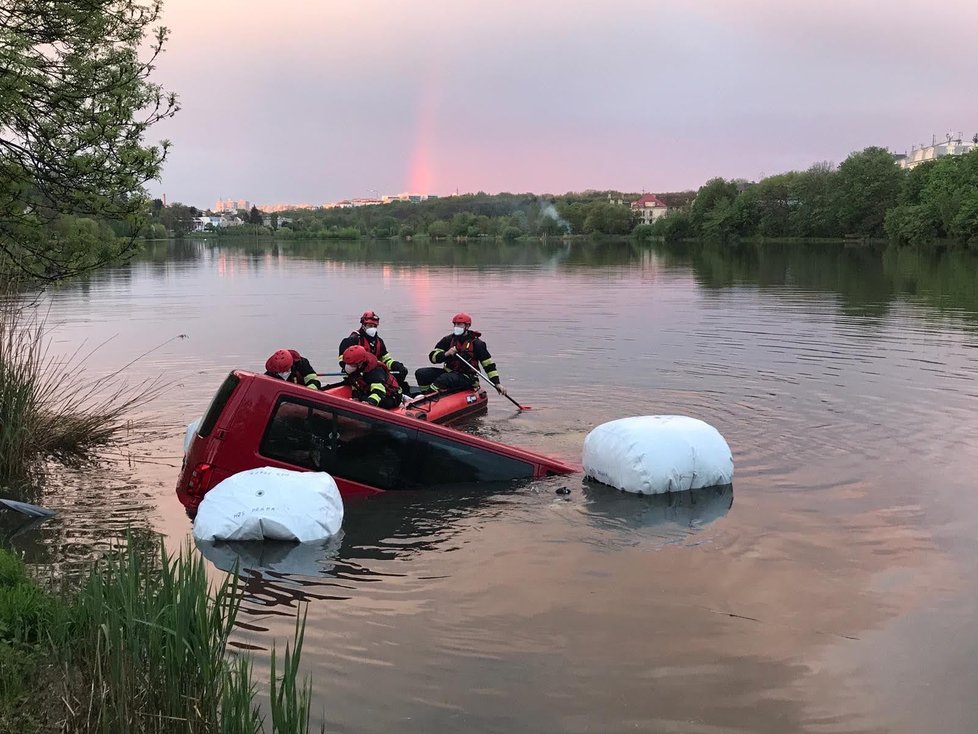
pixel 922 153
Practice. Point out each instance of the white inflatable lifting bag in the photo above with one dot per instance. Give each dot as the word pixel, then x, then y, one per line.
pixel 273 504
pixel 655 454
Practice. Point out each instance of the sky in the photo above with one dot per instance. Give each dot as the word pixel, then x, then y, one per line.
pixel 318 100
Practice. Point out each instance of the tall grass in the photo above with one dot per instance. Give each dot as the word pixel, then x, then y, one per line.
pixel 48 408
pixel 142 647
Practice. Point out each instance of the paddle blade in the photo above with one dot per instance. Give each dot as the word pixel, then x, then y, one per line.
pixel 27 508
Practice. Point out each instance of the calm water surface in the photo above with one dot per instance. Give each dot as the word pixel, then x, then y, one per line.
pixel 833 590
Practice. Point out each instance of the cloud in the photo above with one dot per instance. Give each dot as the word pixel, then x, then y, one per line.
pixel 322 100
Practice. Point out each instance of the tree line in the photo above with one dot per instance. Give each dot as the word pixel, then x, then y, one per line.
pixel 503 216
pixel 868 196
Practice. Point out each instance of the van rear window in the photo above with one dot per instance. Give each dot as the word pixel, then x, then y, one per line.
pixel 217 405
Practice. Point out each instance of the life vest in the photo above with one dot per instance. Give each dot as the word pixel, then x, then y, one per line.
pixel 377 348
pixel 464 349
pixel 359 382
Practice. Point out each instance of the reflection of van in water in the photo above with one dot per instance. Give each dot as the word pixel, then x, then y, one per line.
pixel 258 421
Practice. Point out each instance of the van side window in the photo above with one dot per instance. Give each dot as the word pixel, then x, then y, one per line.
pixel 447 462
pixel 348 446
pixel 217 405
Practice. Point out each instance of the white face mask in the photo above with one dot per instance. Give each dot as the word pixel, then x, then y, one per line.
pixel 371 331
pixel 349 368
pixel 458 330
pixel 284 375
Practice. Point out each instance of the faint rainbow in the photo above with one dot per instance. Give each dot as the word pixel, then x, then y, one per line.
pixel 419 173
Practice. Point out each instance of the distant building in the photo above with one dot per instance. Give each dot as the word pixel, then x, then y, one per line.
pixel 231 205
pixel 923 153
pixel 650 207
pixel 413 198
pixel 215 221
pixel 268 219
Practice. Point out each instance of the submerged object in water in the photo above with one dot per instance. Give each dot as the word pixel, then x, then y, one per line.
pixel 655 454
pixel 27 508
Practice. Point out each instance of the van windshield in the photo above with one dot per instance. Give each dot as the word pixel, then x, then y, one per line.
pixel 217 405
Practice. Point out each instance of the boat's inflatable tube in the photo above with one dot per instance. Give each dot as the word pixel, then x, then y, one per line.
pixel 271 504
pixel 654 454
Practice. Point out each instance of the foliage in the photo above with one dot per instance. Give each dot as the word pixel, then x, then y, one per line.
pixel 943 197
pixel 868 184
pixel 868 196
pixel 141 646
pixel 714 193
pixel 77 103
pixel 911 224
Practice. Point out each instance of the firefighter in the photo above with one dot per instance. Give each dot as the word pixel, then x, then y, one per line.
pixel 289 365
pixel 368 338
pixel 462 344
pixel 370 378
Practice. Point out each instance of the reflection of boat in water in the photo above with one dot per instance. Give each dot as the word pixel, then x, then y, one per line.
pixel 691 510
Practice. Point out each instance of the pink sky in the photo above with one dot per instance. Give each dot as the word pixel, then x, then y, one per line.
pixel 316 100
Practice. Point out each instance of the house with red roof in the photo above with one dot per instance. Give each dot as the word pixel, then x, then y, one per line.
pixel 650 207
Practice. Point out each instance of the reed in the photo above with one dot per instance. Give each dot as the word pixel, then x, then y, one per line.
pixel 141 646
pixel 49 408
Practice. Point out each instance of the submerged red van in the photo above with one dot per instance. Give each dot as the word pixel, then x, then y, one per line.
pixel 257 421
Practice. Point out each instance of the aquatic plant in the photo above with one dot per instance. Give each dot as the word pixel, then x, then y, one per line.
pixel 140 646
pixel 49 407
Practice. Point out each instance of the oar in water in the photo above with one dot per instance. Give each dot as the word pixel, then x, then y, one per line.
pixel 27 508
pixel 486 379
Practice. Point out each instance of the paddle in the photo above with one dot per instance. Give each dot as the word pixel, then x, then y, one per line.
pixel 27 508
pixel 482 376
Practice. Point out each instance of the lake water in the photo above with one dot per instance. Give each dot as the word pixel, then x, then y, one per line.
pixel 834 589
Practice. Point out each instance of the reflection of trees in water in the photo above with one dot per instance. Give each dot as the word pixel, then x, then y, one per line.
pixel 472 253
pixel 867 278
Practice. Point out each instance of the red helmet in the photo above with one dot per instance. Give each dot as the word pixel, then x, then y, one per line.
pixel 462 318
pixel 370 317
pixel 281 361
pixel 355 355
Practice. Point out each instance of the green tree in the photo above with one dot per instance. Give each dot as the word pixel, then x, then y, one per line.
pixel 76 102
pixel 605 218
pixel 405 232
pixel 869 183
pixel 911 224
pixel 964 226
pixel 255 216
pixel 439 229
pixel 812 194
pixel 710 195
pixel 178 218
